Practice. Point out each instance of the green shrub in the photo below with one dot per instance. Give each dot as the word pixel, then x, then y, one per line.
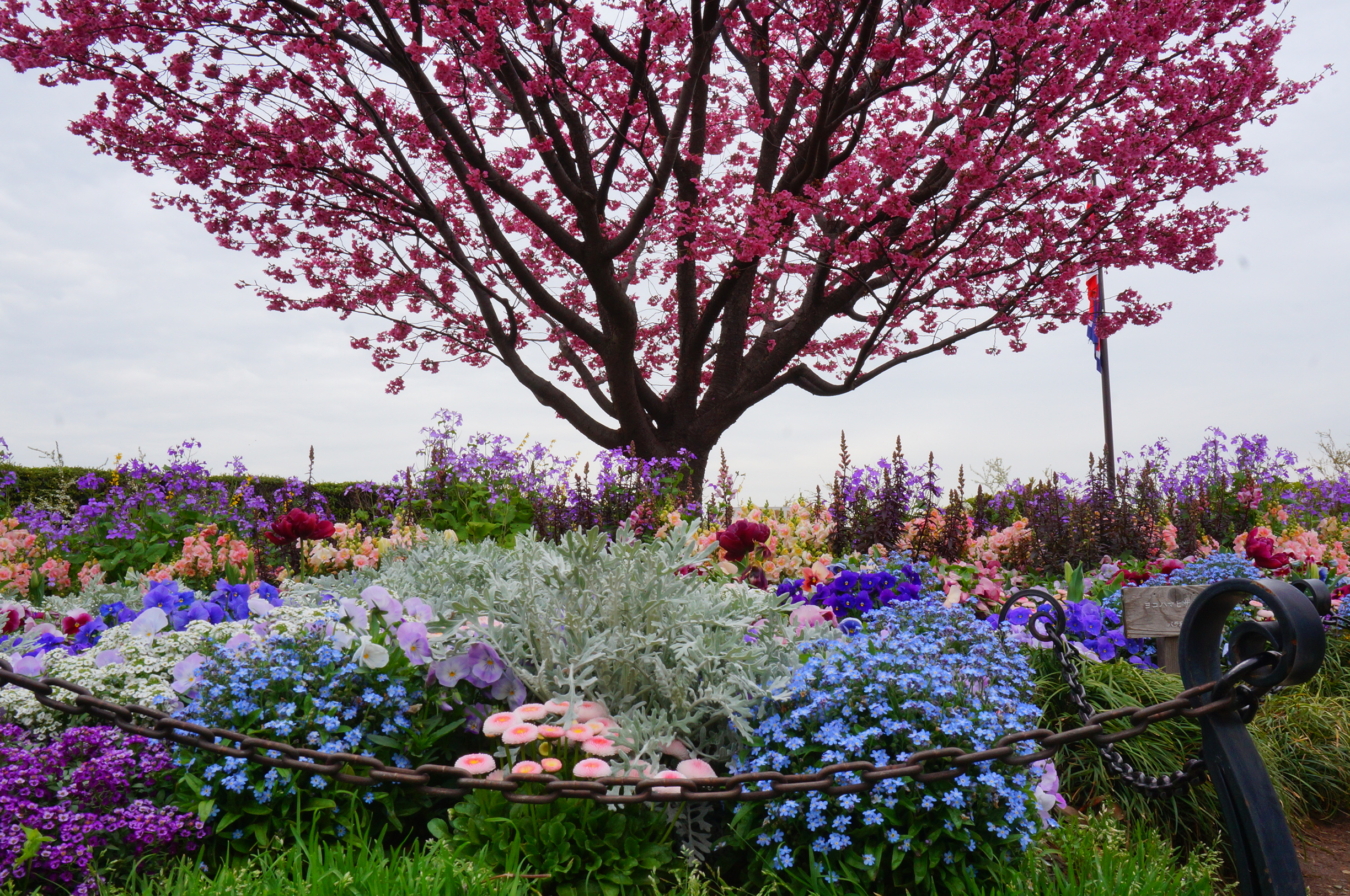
pixel 1096 856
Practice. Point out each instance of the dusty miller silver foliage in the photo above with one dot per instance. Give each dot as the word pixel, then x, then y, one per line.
pixel 596 619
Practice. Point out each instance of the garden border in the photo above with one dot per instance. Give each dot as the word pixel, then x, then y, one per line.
pixel 1262 656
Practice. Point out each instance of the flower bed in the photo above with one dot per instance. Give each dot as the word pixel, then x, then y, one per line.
pixel 660 648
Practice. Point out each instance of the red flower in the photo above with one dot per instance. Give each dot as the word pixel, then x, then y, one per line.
pixel 13 619
pixel 296 525
pixel 740 538
pixel 73 623
pixel 755 577
pixel 1261 551
pixel 1167 565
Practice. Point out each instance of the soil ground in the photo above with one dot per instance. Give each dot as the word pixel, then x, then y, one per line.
pixel 1325 850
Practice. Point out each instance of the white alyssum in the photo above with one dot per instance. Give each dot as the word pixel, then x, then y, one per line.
pixel 144 674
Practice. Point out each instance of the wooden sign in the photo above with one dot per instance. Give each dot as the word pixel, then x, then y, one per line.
pixel 1158 612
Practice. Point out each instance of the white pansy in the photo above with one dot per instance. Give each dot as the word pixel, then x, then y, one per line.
pixel 372 655
pixel 151 620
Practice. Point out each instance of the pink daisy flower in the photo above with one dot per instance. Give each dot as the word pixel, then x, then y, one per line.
pixel 527 767
pixel 677 749
pixel 557 707
pixel 597 726
pixel 496 723
pixel 599 746
pixel 579 733
pixel 551 764
pixel 695 768
pixel 591 768
pixel 590 710
pixel 668 775
pixel 476 763
pixel 520 733
pixel 552 732
pixel 605 723
pixel 531 712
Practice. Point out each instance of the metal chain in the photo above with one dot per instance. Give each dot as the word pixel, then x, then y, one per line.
pixel 456 783
pixel 1191 771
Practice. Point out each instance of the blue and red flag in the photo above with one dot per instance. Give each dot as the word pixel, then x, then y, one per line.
pixel 1095 318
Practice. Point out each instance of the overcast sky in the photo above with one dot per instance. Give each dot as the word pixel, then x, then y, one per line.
pixel 121 330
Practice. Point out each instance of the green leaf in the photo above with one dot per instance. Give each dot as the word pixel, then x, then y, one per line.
pixel 32 843
pixel 204 809
pixel 438 829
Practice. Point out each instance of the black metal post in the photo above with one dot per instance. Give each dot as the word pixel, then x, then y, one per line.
pixel 1261 655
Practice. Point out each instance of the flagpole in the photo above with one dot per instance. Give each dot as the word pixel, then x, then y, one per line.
pixel 1105 373
pixel 1106 389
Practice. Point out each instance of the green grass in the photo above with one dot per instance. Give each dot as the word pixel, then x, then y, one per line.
pixel 1302 734
pixel 1088 856
pixel 1097 856
pixel 358 867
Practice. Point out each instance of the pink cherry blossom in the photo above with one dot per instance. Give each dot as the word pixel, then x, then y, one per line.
pixel 679 210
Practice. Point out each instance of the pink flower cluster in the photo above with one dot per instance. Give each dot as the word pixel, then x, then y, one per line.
pixel 556 733
pixel 557 723
pixel 206 555
pixel 23 556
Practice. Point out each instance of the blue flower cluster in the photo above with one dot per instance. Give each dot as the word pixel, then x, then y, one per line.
pixel 1206 571
pixel 852 593
pixel 301 690
pixel 916 676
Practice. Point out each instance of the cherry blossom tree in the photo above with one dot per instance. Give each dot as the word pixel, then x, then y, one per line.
pixel 658 214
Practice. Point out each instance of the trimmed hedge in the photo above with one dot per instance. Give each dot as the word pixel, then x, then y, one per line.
pixel 57 485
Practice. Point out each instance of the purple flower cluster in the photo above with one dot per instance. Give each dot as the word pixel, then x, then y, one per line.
pixel 852 593
pixel 228 603
pixel 1089 624
pixel 1100 630
pixel 125 500
pixel 86 802
pixel 7 478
